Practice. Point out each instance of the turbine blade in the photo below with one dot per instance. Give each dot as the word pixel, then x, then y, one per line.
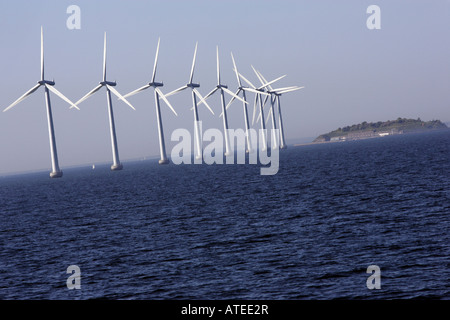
pixel 265 101
pixel 90 93
pixel 234 95
pixel 42 53
pixel 259 116
pixel 256 91
pixel 166 101
pixel 218 65
pixel 21 98
pixel 261 76
pixel 176 91
pixel 203 100
pixel 156 61
pixel 265 80
pixel 231 101
pixel 59 94
pixel 272 100
pixel 104 59
pixel 284 88
pixel 254 108
pixel 258 76
pixel 268 116
pixel 236 70
pixel 228 105
pixel 208 95
pixel 270 82
pixel 289 90
pixel 193 63
pixel 136 91
pixel 118 95
pixel 246 80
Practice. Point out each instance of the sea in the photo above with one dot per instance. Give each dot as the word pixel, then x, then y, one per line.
pixel 367 219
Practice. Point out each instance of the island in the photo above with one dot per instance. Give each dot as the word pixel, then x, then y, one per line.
pixel 367 130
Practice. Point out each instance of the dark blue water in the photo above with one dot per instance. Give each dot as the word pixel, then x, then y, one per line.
pixel 226 232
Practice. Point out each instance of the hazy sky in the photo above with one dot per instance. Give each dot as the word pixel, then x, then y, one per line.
pixel 350 73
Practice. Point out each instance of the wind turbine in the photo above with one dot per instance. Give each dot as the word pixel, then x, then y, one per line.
pixel 48 85
pixel 223 88
pixel 260 91
pixel 195 94
pixel 275 96
pixel 109 85
pixel 158 94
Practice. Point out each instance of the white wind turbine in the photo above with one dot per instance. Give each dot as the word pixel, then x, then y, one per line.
pixel 195 94
pixel 158 94
pixel 223 88
pixel 275 95
pixel 109 85
pixel 48 85
pixel 258 97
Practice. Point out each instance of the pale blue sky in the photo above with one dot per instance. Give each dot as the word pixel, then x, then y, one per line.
pixel 351 74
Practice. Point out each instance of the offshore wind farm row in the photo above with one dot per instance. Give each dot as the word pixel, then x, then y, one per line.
pixel 262 93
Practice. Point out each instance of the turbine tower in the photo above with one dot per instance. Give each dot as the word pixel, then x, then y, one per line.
pixel 275 97
pixel 158 95
pixel 195 94
pixel 223 88
pixel 48 85
pixel 109 85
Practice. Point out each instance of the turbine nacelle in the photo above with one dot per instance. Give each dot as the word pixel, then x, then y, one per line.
pixel 108 83
pixel 44 82
pixel 156 84
pixel 193 85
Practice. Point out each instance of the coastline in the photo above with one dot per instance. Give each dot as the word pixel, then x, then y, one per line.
pixel 371 137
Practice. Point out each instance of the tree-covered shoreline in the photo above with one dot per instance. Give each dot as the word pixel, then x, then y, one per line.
pixel 401 125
